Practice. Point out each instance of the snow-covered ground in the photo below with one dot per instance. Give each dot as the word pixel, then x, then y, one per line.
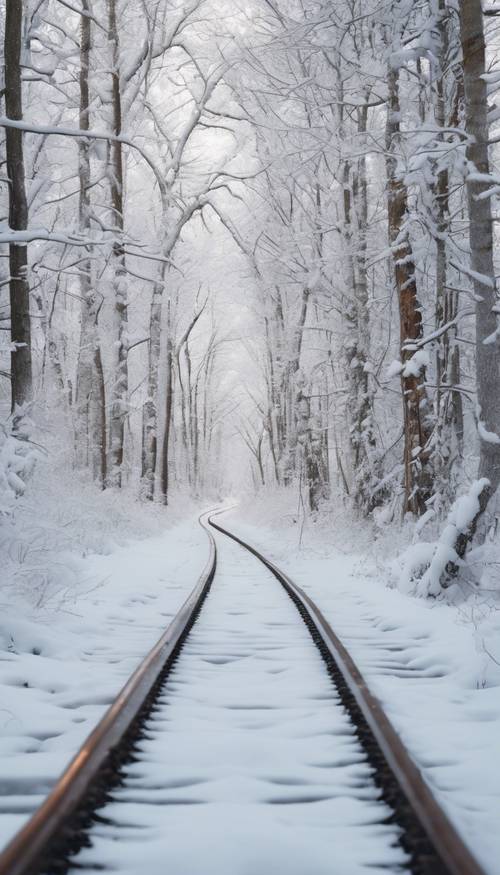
pixel 250 763
pixel 89 585
pixel 434 664
pixel 72 634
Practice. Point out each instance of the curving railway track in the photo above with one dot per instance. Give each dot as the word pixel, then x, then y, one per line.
pixel 246 742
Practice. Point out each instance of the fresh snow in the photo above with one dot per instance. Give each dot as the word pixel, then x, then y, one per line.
pixel 250 764
pixel 61 665
pixel 437 556
pixel 418 362
pixel 394 369
pixel 222 766
pixel 435 666
pixel 490 437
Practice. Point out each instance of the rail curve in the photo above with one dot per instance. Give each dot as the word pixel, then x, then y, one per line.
pixel 433 843
pixel 57 829
pixel 52 833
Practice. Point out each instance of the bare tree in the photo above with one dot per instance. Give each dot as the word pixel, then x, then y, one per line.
pixel 417 483
pixel 21 363
pixel 481 248
pixel 90 392
pixel 119 387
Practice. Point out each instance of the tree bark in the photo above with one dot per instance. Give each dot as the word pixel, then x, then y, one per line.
pixel 448 401
pixel 90 391
pixel 417 485
pixel 481 248
pixel 149 413
pixel 119 398
pixel 169 405
pixel 21 363
pixel 360 396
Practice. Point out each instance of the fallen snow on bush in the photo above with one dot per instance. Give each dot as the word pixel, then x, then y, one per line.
pixel 422 567
pixel 18 456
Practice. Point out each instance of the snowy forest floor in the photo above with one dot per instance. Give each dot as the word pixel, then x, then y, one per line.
pixel 89 581
pixel 82 600
pixel 435 664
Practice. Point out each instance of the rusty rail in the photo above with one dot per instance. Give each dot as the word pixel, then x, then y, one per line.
pixel 30 849
pixel 454 856
pixel 435 847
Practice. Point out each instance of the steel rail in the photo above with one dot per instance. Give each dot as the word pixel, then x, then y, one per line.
pixel 31 848
pixel 454 856
pixel 36 845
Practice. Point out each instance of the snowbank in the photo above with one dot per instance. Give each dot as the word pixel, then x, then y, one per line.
pixel 89 582
pixel 435 664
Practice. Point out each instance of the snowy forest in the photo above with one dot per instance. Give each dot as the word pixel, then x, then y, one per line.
pixel 248 259
pixel 249 246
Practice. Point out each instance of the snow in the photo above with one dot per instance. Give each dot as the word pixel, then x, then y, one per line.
pixel 480 278
pixel 490 437
pixel 250 763
pixel 8 235
pixel 435 665
pixel 63 663
pixel 394 369
pixel 17 459
pixel 424 564
pixel 418 362
pixel 252 750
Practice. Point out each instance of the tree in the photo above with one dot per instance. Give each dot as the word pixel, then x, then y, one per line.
pixel 90 391
pixel 417 482
pixel 482 269
pixel 119 386
pixel 21 352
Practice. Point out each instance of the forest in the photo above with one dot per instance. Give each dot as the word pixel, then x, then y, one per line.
pixel 263 225
pixel 248 255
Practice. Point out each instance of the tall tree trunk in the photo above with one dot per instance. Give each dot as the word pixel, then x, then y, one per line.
pixel 21 364
pixel 169 406
pixel 90 392
pixel 189 417
pixel 260 461
pixel 185 397
pixel 360 396
pixel 119 399
pixel 276 409
pixel 291 390
pixel 481 247
pixel 309 445
pixel 149 413
pixel 417 482
pixel 51 349
pixel 448 400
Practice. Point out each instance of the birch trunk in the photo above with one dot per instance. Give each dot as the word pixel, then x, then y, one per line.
pixel 309 444
pixel 21 364
pixel 448 403
pixel 169 406
pixel 360 397
pixel 149 413
pixel 292 390
pixel 90 392
pixel 119 397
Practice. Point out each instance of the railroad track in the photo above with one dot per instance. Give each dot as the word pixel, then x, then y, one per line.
pixel 246 742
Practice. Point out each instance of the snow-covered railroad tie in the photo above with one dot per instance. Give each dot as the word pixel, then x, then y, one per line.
pixel 247 742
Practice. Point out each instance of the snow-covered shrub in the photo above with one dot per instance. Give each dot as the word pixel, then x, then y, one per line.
pixel 18 456
pixel 52 517
pixel 423 567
